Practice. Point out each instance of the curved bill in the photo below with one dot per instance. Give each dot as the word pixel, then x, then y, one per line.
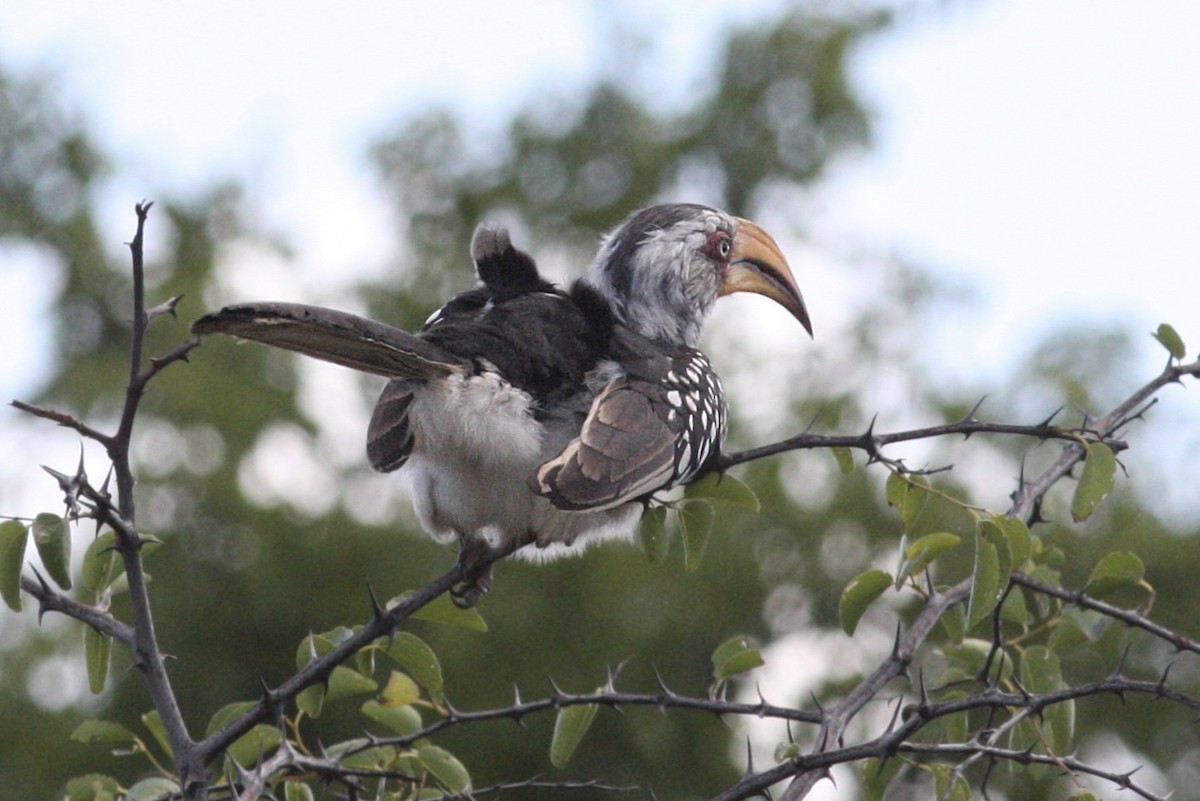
pixel 757 265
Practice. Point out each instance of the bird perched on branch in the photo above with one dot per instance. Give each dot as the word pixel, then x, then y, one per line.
pixel 527 414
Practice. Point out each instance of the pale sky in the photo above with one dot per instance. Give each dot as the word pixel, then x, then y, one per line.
pixel 1043 153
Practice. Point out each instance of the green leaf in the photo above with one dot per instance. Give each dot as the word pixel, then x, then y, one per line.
pixel 696 523
pixel 877 776
pixel 1020 542
pixel 259 741
pixel 845 459
pixel 311 647
pixel 1066 634
pixel 1042 673
pixel 418 659
pixel 1169 338
pixel 996 536
pixel 896 489
pixel 786 751
pixel 859 594
pixel 91 787
pixel 401 720
pixel 226 715
pixel 914 502
pixel 653 534
pixel 920 554
pixel 344 682
pixel 442 610
pixel 311 700
pixel 735 655
pixel 726 488
pixel 247 748
pixel 954 623
pixel 985 580
pixel 942 777
pixel 1099 474
pixel 153 723
pixel 1083 796
pixel 1116 570
pixel 101 564
pixel 380 757
pixel 52 536
pixel 154 788
pixel 400 690
pixel 13 537
pixel 570 726
pixel 98 652
pixel 972 655
pixel 445 767
pixel 297 791
pixel 1014 610
pixel 103 731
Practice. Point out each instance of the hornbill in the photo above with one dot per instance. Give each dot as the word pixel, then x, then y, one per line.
pixel 530 414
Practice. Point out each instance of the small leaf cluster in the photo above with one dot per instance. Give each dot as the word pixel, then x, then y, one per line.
pixel 694 516
pixel 399 687
pixel 1004 637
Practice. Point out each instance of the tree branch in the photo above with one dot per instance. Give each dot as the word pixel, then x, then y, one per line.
pixel 872 443
pixel 1028 495
pixel 49 600
pixel 1128 617
pixel 63 419
pixel 977 749
pixel 610 698
pixel 383 623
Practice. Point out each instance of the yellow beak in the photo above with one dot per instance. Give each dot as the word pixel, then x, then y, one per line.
pixel 756 264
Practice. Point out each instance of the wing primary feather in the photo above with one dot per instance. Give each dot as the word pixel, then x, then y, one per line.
pixel 334 336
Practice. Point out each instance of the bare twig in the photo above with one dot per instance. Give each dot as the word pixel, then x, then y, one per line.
pixel 976 750
pixel 63 419
pixel 50 600
pixel 1030 494
pixel 610 698
pixel 872 443
pixel 1127 616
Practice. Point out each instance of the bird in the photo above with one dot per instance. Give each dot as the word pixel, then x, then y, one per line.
pixel 529 414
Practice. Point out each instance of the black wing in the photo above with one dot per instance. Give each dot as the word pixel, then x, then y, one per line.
pixel 537 337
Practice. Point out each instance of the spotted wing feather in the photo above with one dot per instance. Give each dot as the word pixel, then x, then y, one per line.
pixel 654 427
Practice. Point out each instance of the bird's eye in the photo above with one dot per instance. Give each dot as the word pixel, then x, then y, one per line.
pixel 719 246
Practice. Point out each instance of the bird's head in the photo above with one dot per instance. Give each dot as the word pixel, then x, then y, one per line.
pixel 663 268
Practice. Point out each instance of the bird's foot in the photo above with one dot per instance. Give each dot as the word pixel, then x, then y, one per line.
pixel 475 563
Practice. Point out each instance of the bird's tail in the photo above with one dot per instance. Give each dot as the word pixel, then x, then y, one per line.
pixel 334 336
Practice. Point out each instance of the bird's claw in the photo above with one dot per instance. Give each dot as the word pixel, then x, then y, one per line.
pixel 475 565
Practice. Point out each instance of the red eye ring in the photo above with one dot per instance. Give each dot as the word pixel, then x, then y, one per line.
pixel 719 246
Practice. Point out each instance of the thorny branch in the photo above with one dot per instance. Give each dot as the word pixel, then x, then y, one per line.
pixel 1129 617
pixel 1024 757
pixel 193 759
pixel 1029 495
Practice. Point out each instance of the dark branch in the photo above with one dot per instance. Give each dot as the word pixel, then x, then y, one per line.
pixel 610 698
pixel 51 601
pixel 1123 781
pixel 319 669
pixel 1128 617
pixel 65 420
pixel 1029 495
pixel 871 443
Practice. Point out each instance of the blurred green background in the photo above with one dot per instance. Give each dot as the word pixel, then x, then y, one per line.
pixel 250 462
